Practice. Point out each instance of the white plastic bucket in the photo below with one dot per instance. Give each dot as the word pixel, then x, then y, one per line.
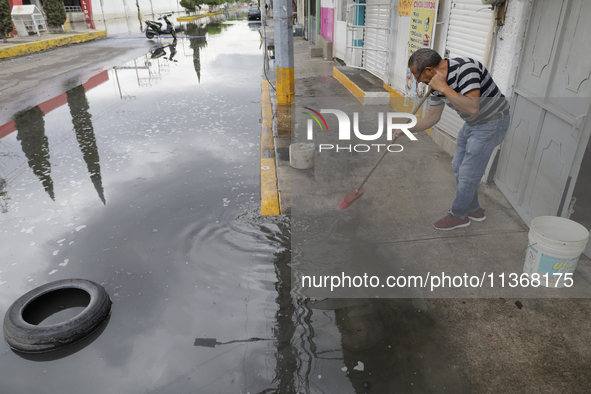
pixel 301 155
pixel 555 245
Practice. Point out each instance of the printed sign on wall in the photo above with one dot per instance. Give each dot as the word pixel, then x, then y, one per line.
pixel 404 7
pixel 423 15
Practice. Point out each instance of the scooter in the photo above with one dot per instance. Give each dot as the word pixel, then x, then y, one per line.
pixel 155 28
pixel 159 52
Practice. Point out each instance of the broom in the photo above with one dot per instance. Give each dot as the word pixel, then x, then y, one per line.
pixel 357 193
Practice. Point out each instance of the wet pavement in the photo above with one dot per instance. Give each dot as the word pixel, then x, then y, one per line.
pixel 145 179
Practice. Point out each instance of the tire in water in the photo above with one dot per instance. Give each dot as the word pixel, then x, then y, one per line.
pixel 27 337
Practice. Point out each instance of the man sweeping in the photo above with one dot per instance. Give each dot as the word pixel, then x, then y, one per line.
pixel 467 87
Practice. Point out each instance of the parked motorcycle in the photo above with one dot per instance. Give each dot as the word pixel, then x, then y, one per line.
pixel 160 52
pixel 155 28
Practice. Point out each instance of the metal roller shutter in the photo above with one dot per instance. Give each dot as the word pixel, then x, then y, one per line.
pixel 467 36
pixel 377 31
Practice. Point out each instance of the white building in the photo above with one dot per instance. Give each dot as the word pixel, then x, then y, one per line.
pixel 536 53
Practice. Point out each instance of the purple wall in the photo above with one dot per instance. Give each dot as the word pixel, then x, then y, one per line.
pixel 327 23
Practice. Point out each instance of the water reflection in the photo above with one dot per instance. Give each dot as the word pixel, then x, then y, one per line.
pixel 3 196
pixel 287 356
pixel 254 26
pixel 82 122
pixel 148 69
pixel 212 342
pixel 197 40
pixel 215 27
pixel 30 128
pixel 161 51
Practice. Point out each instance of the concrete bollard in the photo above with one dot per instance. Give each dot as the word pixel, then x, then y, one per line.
pixel 301 155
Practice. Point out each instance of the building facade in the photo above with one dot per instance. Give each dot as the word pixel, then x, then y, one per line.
pixel 532 49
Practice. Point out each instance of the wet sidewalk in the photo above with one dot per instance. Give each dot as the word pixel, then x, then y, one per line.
pixel 508 337
pixel 18 46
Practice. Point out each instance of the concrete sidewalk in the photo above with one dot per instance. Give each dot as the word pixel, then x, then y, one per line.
pixel 36 43
pixel 509 339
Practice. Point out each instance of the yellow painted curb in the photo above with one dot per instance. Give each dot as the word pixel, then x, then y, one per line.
pixel 37 46
pixel 189 18
pixel 342 78
pixel 195 17
pixel 270 204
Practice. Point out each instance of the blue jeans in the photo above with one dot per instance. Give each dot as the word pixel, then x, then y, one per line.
pixel 474 147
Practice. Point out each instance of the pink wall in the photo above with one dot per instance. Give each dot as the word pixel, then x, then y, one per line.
pixel 12 3
pixel 327 23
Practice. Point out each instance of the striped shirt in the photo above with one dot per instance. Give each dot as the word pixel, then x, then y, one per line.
pixel 465 75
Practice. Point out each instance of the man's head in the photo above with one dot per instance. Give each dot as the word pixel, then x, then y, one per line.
pixel 422 64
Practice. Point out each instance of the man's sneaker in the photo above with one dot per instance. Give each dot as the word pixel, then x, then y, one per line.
pixel 451 222
pixel 477 216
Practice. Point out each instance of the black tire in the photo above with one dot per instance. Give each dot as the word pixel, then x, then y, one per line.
pixel 149 34
pixel 29 338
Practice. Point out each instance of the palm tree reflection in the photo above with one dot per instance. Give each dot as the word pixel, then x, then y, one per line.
pixel 3 196
pixel 82 121
pixel 30 128
pixel 197 41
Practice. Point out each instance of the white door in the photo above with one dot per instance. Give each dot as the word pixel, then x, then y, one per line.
pixel 340 30
pixel 355 33
pixel 542 154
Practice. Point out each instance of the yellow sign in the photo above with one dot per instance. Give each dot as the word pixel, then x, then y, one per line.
pixel 423 15
pixel 404 7
pixel 422 20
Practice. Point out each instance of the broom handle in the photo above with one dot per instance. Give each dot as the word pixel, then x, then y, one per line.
pixel 386 150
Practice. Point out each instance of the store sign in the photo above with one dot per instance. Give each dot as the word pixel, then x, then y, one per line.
pixel 423 15
pixel 87 9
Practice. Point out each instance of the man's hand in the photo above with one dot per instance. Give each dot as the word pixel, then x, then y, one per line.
pixel 439 82
pixel 397 134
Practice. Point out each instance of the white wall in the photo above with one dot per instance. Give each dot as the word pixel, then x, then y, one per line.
pixel 505 54
pixel 300 18
pixel 397 63
pixel 116 8
pixel 508 45
pixel 396 75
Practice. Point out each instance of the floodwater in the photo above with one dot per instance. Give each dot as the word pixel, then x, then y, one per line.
pixel 145 179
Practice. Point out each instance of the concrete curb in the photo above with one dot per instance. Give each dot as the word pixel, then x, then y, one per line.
pixel 365 97
pixel 270 204
pixel 354 89
pixel 38 46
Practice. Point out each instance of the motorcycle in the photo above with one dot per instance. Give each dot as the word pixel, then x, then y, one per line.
pixel 155 28
pixel 160 52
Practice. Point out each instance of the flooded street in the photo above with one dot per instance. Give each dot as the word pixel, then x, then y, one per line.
pixel 145 179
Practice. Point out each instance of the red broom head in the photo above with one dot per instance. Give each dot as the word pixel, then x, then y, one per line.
pixel 351 197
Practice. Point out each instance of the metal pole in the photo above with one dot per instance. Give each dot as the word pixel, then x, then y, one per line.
pixel 283 36
pixel 139 15
pixel 104 19
pixel 125 7
pixel 152 8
